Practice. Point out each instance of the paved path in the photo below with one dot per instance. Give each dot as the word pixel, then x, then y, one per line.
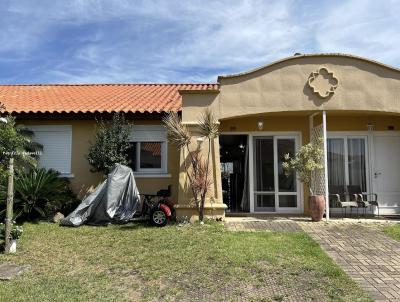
pixel 253 225
pixel 364 253
pixel 360 249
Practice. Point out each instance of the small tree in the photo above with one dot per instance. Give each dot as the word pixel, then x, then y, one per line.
pixel 306 163
pixel 110 145
pixel 15 144
pixel 196 167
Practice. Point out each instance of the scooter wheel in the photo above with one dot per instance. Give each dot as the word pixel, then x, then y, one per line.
pixel 158 218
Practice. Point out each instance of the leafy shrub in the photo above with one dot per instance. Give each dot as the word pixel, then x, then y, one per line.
pixel 306 163
pixel 16 232
pixel 16 141
pixel 39 193
pixel 110 145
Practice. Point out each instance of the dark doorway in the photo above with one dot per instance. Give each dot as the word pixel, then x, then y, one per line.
pixel 234 171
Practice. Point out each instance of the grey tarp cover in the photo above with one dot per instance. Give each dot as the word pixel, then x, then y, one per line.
pixel 115 200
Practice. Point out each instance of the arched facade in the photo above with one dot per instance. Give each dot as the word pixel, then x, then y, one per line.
pixel 277 108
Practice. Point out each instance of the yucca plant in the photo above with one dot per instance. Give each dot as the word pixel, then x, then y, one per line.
pixel 39 193
pixel 197 170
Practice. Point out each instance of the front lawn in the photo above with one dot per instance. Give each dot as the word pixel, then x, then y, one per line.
pixel 393 231
pixel 190 263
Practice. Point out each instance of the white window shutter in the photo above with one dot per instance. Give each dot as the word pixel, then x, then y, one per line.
pixel 56 141
pixel 148 133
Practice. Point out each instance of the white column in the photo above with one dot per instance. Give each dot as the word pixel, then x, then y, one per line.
pixel 325 165
pixel 251 172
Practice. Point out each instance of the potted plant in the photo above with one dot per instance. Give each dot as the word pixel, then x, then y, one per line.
pixel 306 163
pixel 16 233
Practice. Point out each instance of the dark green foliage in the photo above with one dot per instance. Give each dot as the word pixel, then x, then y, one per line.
pixel 110 145
pixel 16 141
pixel 39 193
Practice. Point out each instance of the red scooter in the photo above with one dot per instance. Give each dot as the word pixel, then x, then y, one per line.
pixel 158 208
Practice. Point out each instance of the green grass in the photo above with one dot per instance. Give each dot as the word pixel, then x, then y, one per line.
pixel 393 231
pixel 139 263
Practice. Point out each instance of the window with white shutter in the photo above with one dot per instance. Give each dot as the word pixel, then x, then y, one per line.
pixel 56 141
pixel 148 151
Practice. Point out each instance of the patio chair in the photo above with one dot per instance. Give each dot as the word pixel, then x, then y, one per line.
pixel 338 199
pixel 365 200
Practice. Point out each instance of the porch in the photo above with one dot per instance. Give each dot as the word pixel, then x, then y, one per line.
pixel 360 149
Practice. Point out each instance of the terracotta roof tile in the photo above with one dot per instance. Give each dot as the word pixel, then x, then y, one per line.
pixel 58 98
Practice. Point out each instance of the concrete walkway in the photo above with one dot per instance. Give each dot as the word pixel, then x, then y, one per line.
pixel 358 246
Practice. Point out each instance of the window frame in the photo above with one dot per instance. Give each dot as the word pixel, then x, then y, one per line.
pixel 150 134
pixel 275 136
pixel 358 135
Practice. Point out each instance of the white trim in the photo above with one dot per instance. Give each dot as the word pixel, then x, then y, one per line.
pixel 275 135
pixel 251 172
pixel 345 135
pixel 276 172
pixel 49 128
pixel 297 135
pixel 325 166
pixel 263 133
pixel 67 175
pixel 149 175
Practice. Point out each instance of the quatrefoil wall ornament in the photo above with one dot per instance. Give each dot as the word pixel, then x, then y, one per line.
pixel 323 82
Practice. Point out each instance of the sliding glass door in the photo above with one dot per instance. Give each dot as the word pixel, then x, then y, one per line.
pixel 274 190
pixel 347 162
pixel 287 183
pixel 264 174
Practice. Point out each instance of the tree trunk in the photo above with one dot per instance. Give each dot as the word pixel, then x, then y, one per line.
pixel 203 197
pixel 10 200
pixel 201 210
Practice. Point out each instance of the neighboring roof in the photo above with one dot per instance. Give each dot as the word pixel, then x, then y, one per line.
pixel 93 98
pixel 314 55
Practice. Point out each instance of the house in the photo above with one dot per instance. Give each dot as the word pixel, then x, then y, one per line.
pixel 352 103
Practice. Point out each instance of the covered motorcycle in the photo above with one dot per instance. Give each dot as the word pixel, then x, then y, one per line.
pixel 114 201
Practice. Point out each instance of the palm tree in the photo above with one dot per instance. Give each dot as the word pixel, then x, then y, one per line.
pixel 196 167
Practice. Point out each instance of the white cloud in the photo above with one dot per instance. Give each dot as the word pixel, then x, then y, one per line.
pixel 362 27
pixel 176 41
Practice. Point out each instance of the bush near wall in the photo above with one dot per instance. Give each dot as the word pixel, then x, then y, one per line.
pixel 39 194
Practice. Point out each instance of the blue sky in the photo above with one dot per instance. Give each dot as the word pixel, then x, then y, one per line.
pixel 127 41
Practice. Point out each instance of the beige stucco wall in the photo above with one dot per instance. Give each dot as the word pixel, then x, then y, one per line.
pixel 363 85
pixel 85 181
pixel 213 205
pixel 194 103
pixel 279 94
pixel 299 122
